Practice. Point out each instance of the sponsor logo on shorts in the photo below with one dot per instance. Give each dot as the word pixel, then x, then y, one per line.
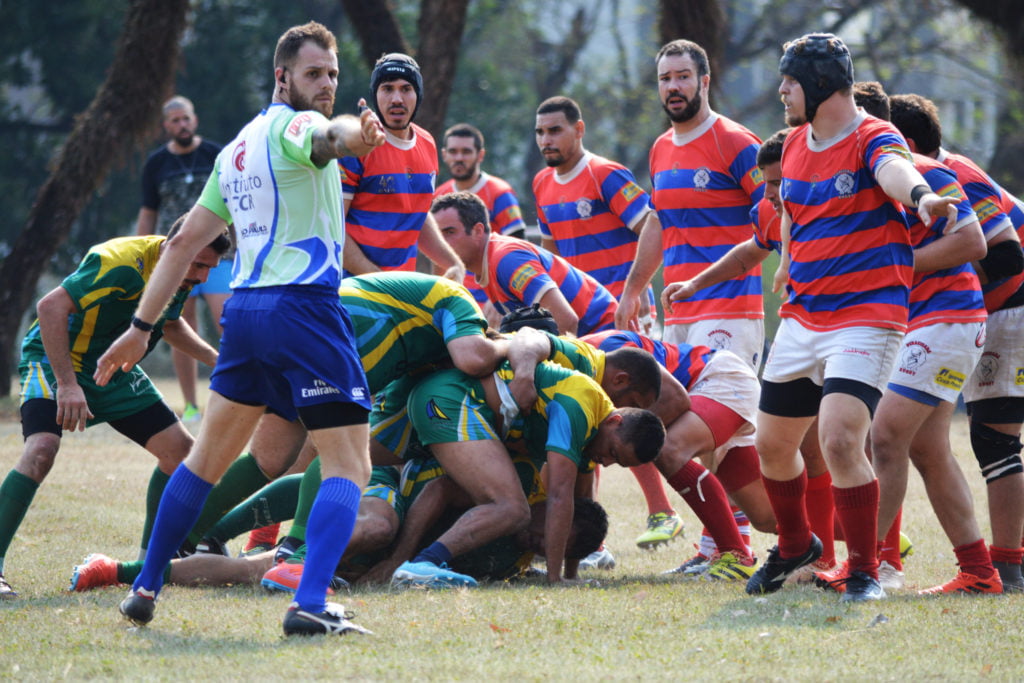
pixel 137 383
pixel 951 379
pixel 857 352
pixel 913 357
pixel 319 388
pixel 435 413
pixel 979 341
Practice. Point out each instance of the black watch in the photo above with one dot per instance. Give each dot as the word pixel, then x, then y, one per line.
pixel 141 324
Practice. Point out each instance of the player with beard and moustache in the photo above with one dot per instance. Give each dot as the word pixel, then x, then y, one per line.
pixel 463 151
pixel 279 186
pixel 705 182
pixel 388 191
pixel 171 180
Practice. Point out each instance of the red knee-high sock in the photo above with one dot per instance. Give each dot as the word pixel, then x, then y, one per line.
pixel 974 558
pixel 649 478
pixel 787 499
pixel 857 511
pixel 889 550
pixel 821 513
pixel 704 494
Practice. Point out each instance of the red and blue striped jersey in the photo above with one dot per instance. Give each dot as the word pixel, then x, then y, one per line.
pixel 503 212
pixel 705 184
pixel 502 204
pixel 950 295
pixel 850 258
pixel 684 361
pixel 590 214
pixel 996 210
pixel 1007 292
pixel 518 273
pixel 767 226
pixel 982 191
pixel 391 189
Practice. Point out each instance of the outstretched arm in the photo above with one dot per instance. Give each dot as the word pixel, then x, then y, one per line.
pixel 347 136
pixel 201 227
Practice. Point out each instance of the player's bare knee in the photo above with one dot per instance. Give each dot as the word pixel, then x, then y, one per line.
pixel 38 457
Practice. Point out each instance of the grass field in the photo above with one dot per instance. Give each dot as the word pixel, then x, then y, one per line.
pixel 632 624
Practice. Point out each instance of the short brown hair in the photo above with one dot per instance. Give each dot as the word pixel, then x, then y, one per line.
pixel 684 47
pixel 871 96
pixel 917 118
pixel 289 44
pixel 471 209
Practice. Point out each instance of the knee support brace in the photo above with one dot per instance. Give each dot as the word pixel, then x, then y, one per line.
pixel 998 454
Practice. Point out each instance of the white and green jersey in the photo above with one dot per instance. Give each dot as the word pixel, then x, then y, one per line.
pixel 287 212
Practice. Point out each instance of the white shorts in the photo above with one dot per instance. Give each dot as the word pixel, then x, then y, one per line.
pixel 728 380
pixel 743 336
pixel 1000 372
pixel 862 354
pixel 936 360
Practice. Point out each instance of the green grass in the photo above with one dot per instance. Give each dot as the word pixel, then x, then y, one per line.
pixel 632 624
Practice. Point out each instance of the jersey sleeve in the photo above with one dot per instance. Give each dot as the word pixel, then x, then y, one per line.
pixel 522 276
pixel 97 280
pixel 212 198
pixel 624 196
pixel 885 146
pixel 351 175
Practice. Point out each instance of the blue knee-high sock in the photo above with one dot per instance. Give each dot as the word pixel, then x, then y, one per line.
pixel 180 504
pixel 330 526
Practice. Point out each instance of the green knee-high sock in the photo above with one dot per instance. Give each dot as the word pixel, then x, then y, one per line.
pixel 127 572
pixel 242 479
pixel 157 482
pixel 16 494
pixel 273 503
pixel 307 494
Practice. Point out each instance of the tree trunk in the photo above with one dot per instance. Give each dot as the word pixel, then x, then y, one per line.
pixel 702 21
pixel 376 27
pixel 440 27
pixel 119 117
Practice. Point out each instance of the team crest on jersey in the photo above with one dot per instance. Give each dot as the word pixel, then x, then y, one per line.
pixel 238 156
pixel 584 208
pixel 844 183
pixel 140 264
pixel 701 178
pixel 386 184
pixel 913 357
